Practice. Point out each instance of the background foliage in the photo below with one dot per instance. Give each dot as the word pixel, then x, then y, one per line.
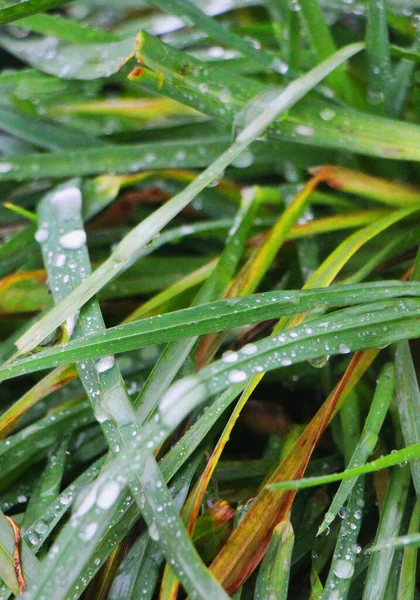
pixel 209 299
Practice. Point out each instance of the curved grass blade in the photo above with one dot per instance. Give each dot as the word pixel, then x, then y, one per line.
pixel 399 457
pixel 367 441
pixel 230 313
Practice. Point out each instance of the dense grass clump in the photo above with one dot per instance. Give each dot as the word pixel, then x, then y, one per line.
pixel 209 300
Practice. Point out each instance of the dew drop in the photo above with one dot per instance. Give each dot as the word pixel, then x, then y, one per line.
pixel 327 114
pixel 236 376
pixel 89 531
pixel 343 569
pixel 108 494
pixel 344 349
pixel 41 236
pixel 5 167
pixel 320 362
pixel 67 203
pixel 73 240
pixel 304 130
pixel 105 363
pixel 230 357
pixel 154 532
pixel 249 349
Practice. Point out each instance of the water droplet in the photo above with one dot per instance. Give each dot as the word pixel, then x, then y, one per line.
pixel 67 203
pixel 41 527
pixel 180 398
pixel 59 260
pixel 236 376
pixel 73 240
pixel 108 494
pixel 105 363
pixel 89 531
pixel 154 532
pixel 5 167
pixel 327 114
pixel 230 357
pixel 66 497
pixel 320 362
pixel 344 349
pixel 71 323
pixel 343 569
pixel 244 160
pixel 304 130
pixel 33 538
pixel 249 349
pixel 87 502
pixel 41 236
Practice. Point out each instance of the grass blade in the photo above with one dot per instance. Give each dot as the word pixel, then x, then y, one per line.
pixel 367 441
pixel 200 320
pixel 12 11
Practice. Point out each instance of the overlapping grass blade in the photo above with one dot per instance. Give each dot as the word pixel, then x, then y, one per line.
pixel 140 236
pixel 12 11
pixel 60 215
pixel 367 441
pixel 202 319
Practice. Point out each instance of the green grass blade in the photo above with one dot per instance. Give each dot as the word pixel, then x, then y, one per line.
pixel 192 15
pixel 345 552
pixel 367 441
pixel 75 61
pixel 175 354
pixel 273 576
pixel 45 134
pixel 389 526
pixel 224 95
pixel 408 398
pixel 377 48
pixel 407 583
pixel 114 159
pixel 12 11
pixel 60 215
pixel 66 29
pixel 398 457
pixel 48 486
pixel 202 319
pixel 324 45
